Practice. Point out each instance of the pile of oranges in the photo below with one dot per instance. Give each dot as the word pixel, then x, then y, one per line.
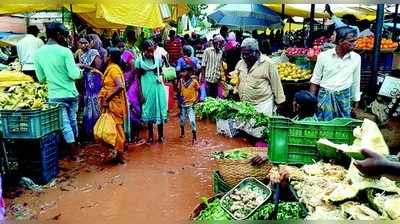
pixel 368 43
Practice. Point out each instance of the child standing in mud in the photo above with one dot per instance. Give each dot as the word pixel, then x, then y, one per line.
pixel 188 88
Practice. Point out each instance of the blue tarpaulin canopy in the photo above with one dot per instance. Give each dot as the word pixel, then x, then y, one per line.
pixel 246 16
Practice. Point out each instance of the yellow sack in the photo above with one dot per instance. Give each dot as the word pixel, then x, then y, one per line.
pixel 105 129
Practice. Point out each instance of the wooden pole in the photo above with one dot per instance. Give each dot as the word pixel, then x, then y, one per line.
pixel 312 16
pixel 377 48
pixel 395 31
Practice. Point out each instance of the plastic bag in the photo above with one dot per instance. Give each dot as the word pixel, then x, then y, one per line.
pixel 166 94
pixel 105 129
pixel 203 93
pixel 169 73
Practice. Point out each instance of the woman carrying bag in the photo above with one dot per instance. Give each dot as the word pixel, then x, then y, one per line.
pixel 113 101
pixel 154 108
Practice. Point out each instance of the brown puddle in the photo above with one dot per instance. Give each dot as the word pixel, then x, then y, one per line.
pixel 160 183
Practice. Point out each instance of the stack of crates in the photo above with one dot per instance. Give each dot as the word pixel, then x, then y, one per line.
pixel 37 158
pixel 35 137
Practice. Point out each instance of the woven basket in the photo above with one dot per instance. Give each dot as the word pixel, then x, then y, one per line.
pixel 233 171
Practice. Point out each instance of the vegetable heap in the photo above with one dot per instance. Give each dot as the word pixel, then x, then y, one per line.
pixel 24 96
pixel 244 200
pixel 226 109
pixel 234 155
pixel 214 212
pixel 289 211
pixel 286 211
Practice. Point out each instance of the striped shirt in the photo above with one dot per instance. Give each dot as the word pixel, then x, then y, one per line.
pixel 173 48
pixel 212 63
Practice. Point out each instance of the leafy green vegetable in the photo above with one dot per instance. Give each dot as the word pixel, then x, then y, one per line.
pixel 263 212
pixel 289 211
pixel 213 212
pixel 234 155
pixel 226 109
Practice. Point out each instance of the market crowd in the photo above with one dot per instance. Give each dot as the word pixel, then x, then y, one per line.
pixel 122 81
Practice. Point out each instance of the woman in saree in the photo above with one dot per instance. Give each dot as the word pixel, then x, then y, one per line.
pixel 132 82
pixel 96 43
pixel 154 109
pixel 91 64
pixel 112 97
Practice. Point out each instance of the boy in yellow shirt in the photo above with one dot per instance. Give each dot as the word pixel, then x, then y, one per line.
pixel 188 88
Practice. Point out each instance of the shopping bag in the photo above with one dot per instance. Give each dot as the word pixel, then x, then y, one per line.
pixel 169 72
pixel 203 92
pixel 166 94
pixel 105 129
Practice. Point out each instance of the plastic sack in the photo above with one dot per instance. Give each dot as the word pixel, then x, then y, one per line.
pixel 171 99
pixel 169 73
pixel 203 92
pixel 105 129
pixel 166 94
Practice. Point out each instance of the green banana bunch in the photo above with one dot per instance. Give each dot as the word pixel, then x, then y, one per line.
pixel 31 96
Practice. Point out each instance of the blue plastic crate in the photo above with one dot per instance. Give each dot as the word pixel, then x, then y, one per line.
pixel 30 124
pixel 39 158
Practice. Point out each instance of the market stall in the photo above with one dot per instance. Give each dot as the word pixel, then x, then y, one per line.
pixel 309 174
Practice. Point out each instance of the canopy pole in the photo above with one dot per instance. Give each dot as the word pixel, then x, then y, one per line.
pixel 395 32
pixel 282 17
pixel 72 18
pixel 380 11
pixel 62 14
pixel 312 16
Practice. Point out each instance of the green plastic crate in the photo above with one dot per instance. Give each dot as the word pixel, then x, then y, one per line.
pixel 219 185
pixel 30 124
pixel 295 142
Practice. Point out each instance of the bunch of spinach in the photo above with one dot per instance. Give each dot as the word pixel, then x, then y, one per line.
pixel 234 155
pixel 289 211
pixel 214 212
pixel 226 109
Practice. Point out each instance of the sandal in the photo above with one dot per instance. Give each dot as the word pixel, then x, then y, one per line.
pixel 139 142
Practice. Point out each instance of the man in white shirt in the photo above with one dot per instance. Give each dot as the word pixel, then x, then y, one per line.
pixel 336 78
pixel 27 47
pixel 160 53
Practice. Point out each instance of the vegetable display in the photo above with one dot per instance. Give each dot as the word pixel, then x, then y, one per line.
pixel 234 155
pixel 332 193
pixel 245 198
pixel 24 96
pixel 291 72
pixel 214 212
pixel 289 211
pixel 294 51
pixel 368 43
pixel 226 109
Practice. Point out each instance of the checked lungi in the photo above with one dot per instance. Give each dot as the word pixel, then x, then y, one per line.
pixel 333 104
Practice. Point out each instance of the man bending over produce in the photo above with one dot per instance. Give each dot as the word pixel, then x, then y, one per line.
pixel 55 65
pixel 336 78
pixel 260 83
